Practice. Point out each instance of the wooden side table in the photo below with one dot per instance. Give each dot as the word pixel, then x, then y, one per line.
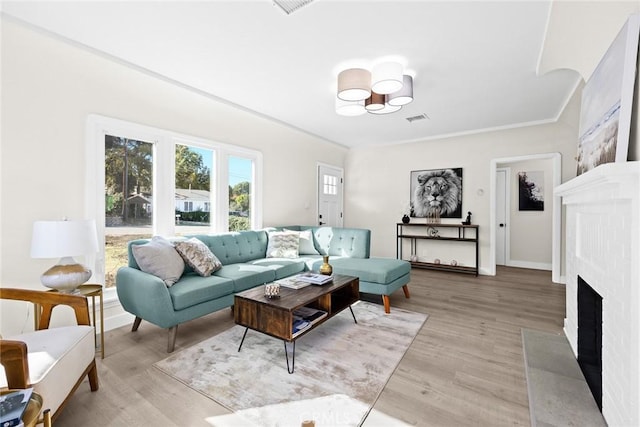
pixel 86 290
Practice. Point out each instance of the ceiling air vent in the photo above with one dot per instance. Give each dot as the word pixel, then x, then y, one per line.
pixel 414 118
pixel 290 6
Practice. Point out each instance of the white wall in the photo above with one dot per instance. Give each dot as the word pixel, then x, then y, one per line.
pixel 377 178
pixel 48 89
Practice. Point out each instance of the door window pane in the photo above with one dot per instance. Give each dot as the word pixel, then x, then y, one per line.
pixel 330 186
pixel 240 193
pixel 128 199
pixel 193 189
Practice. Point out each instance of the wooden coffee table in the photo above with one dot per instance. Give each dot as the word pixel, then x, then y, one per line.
pixel 274 317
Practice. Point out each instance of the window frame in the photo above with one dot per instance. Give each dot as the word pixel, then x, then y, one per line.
pixel 164 142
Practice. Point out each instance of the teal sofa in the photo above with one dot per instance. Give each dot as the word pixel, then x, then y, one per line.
pixel 244 266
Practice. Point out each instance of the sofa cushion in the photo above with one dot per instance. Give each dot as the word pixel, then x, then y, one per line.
pixel 231 248
pixel 246 276
pixel 312 262
pixel 193 289
pixel 160 258
pixel 282 267
pixel 197 255
pixel 376 270
pixel 343 242
pixel 57 357
pixel 282 244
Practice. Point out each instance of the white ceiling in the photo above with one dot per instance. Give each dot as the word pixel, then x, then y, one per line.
pixel 474 62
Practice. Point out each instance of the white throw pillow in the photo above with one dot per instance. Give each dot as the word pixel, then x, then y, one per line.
pixel 159 257
pixel 283 244
pixel 305 246
pixel 198 256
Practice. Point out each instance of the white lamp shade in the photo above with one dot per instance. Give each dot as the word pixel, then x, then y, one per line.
pixel 56 239
pixel 374 102
pixel 404 95
pixel 350 108
pixel 387 109
pixel 354 84
pixel 386 78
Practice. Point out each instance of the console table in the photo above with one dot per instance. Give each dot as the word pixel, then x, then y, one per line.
pixel 413 233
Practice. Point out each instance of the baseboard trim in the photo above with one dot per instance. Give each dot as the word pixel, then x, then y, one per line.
pixel 118 321
pixel 486 272
pixel 528 264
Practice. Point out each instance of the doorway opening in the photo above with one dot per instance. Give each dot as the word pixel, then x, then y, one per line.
pixel 503 201
pixel 555 159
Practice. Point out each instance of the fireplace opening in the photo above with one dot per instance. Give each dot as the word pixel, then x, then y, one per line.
pixel 590 338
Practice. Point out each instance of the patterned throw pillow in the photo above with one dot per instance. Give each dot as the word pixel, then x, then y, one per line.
pixel 159 257
pixel 305 244
pixel 283 244
pixel 198 256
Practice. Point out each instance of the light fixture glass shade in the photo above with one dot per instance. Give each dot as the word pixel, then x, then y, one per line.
pixel 386 77
pixel 350 108
pixel 374 102
pixel 354 84
pixel 387 109
pixel 404 95
pixel 64 240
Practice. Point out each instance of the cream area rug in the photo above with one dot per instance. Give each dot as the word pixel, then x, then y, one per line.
pixel 340 369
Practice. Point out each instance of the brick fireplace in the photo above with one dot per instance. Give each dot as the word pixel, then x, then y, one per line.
pixel 602 230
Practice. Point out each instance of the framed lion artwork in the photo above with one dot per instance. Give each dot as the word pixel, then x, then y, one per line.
pixel 436 191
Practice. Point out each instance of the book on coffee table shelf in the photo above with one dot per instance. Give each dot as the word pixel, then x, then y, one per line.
pixel 314 278
pixel 304 317
pixel 292 283
pixel 12 406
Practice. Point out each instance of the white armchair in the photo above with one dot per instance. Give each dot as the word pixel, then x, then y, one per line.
pixel 52 361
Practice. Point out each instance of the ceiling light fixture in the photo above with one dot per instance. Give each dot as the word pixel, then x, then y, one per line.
pixel 354 84
pixel 350 108
pixel 375 102
pixel 386 109
pixel 383 90
pixel 404 95
pixel 386 77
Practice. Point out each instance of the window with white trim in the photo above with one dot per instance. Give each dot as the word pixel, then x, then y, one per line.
pixel 144 181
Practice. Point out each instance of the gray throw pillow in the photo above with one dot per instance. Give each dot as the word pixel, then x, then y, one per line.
pixel 198 256
pixel 159 257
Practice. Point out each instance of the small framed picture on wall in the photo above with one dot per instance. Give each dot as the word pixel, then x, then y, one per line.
pixel 531 191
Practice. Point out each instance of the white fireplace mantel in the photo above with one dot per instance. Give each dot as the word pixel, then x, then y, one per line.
pixel 619 177
pixel 602 235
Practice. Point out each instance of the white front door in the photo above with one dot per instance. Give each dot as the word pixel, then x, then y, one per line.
pixel 330 184
pixel 502 212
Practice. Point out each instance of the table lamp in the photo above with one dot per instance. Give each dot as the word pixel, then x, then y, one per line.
pixel 64 240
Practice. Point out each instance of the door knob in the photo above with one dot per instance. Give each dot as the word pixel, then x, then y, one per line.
pixel 501 225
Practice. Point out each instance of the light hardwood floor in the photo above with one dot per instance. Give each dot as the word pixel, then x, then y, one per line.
pixel 464 368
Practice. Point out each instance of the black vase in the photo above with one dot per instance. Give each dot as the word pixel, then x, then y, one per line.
pixel 405 219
